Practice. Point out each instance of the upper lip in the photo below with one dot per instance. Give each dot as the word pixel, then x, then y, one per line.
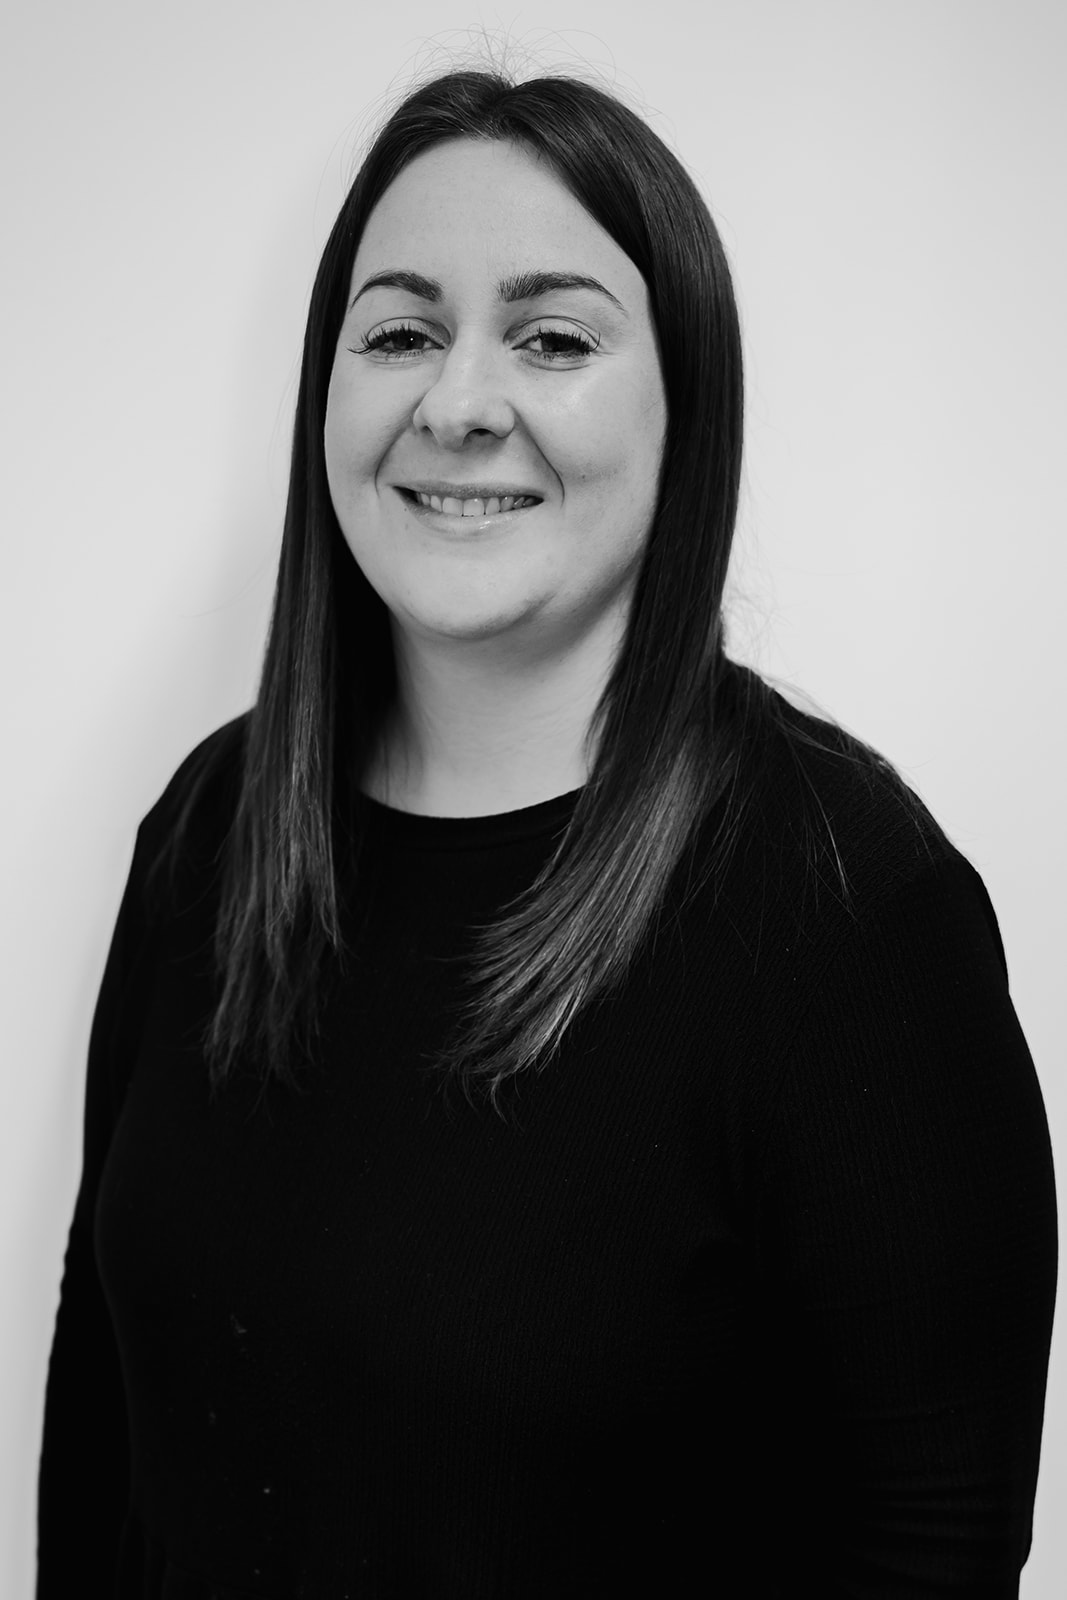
pixel 469 491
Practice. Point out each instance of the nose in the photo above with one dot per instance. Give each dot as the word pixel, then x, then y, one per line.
pixel 467 399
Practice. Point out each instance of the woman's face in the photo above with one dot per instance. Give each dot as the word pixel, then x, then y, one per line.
pixel 494 426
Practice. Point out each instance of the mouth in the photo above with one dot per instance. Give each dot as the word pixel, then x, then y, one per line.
pixel 469 500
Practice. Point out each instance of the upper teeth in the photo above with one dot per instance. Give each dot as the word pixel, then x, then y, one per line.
pixel 475 507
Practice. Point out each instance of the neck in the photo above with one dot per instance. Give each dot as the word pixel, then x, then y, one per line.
pixel 478 729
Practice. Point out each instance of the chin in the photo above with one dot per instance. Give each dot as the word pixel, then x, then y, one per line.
pixel 472 625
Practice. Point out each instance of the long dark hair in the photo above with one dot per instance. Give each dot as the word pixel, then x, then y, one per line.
pixel 666 746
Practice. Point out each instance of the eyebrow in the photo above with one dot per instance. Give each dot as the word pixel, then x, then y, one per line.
pixel 521 286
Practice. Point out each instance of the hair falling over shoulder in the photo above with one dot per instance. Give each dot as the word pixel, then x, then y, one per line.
pixel 670 725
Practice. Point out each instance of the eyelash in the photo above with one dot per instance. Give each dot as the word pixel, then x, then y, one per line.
pixel 573 342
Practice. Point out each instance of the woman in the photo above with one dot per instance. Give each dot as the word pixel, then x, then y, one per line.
pixel 731 1270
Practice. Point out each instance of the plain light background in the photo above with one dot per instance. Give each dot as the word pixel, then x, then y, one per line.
pixel 889 184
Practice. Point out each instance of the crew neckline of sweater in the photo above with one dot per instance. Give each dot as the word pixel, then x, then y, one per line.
pixel 420 832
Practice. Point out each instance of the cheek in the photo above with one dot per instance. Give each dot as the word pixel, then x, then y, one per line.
pixel 615 477
pixel 610 444
pixel 339 438
pixel 358 432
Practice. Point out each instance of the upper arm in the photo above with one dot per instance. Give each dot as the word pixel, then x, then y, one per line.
pixel 910 1233
pixel 84 1473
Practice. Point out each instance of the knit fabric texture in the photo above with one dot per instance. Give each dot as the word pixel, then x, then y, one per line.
pixel 749 1294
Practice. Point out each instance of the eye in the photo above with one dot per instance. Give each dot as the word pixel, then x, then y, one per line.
pixel 395 343
pixel 559 344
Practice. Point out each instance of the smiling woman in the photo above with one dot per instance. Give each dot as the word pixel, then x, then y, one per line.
pixel 494 433
pixel 731 1270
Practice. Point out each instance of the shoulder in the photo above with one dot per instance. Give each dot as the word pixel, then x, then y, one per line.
pixel 823 804
pixel 844 931
pixel 175 860
pixel 828 836
pixel 188 825
pixel 206 780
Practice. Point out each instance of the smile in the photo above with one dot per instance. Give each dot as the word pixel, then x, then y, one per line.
pixel 489 502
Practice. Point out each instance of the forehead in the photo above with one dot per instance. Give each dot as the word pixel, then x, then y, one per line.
pixel 487 207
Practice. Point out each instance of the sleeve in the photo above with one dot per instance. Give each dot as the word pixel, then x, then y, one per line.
pixel 84 1470
pixel 909 1216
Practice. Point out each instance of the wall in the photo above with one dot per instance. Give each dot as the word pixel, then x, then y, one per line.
pixel 888 181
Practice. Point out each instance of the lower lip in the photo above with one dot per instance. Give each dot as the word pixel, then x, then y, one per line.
pixel 447 523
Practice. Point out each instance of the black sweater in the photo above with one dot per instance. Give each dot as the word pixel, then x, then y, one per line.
pixel 751 1296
